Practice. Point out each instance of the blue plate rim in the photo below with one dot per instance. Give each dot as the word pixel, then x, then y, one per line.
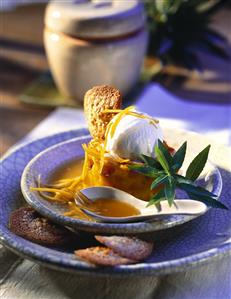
pixel 8 239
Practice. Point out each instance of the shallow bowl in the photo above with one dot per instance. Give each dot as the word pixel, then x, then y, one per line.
pixel 47 162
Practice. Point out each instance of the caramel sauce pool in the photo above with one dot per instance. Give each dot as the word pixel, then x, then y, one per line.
pixel 69 170
pixel 113 208
pixel 106 207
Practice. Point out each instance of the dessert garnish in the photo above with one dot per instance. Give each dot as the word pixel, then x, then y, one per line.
pixel 103 256
pixel 96 100
pixel 119 250
pixel 164 171
pixel 29 224
pixel 129 247
pixel 128 152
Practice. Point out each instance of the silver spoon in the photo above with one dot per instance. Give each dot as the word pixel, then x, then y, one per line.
pixel 180 207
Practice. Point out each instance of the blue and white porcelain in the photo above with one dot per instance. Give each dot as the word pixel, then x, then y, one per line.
pixel 186 246
pixel 45 164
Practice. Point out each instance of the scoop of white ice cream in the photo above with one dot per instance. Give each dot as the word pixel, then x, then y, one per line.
pixel 134 136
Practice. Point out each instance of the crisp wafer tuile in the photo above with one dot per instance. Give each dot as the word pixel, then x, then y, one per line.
pixel 96 100
pixel 102 256
pixel 129 247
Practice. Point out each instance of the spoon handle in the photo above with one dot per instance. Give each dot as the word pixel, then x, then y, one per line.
pixel 180 207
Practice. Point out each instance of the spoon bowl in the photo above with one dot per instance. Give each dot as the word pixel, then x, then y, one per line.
pixel 92 194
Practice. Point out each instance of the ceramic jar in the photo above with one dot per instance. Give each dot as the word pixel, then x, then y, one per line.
pixel 95 42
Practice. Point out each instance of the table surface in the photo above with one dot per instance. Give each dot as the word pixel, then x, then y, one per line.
pixel 24 279
pixel 22 59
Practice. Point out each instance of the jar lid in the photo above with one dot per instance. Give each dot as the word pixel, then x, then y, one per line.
pixel 95 18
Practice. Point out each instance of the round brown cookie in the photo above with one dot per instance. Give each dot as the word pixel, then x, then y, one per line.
pixel 96 100
pixel 27 223
pixel 102 256
pixel 128 247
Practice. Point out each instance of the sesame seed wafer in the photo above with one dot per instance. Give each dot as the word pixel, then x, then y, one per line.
pixel 96 100
pixel 102 256
pixel 128 247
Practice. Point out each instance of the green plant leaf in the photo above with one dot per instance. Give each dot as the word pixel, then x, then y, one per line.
pixel 154 201
pixel 162 170
pixel 197 165
pixel 181 179
pixel 178 157
pixel 165 152
pixel 150 161
pixel 157 198
pixel 184 23
pixel 159 194
pixel 170 190
pixel 209 201
pixel 162 7
pixel 161 158
pixel 197 190
pixel 146 170
pixel 158 181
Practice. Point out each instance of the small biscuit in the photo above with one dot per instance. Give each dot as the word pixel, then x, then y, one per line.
pixel 128 247
pixel 96 100
pixel 102 256
pixel 27 223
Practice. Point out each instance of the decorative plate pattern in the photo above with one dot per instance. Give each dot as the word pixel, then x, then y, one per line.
pixel 176 249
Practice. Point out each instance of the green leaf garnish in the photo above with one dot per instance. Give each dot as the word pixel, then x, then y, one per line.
pixel 178 157
pixel 169 190
pixel 158 181
pixel 165 152
pixel 159 195
pixel 150 161
pixel 154 201
pixel 164 171
pixel 209 201
pixel 189 188
pixel 157 198
pixel 162 160
pixel 181 179
pixel 197 165
pixel 146 170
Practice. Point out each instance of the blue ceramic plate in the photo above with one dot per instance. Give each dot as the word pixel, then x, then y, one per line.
pixel 180 248
pixel 44 165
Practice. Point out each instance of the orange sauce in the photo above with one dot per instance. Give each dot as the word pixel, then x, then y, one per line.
pixel 113 174
pixel 113 208
pixel 69 170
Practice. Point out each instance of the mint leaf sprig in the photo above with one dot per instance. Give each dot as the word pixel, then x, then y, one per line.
pixel 164 171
